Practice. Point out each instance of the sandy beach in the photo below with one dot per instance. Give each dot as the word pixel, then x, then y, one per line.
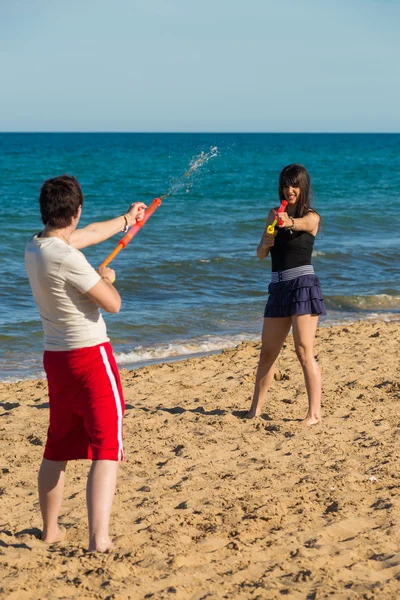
pixel 211 505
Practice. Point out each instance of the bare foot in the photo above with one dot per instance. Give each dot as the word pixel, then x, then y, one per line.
pixel 58 536
pixel 252 414
pixel 311 421
pixel 255 411
pixel 100 545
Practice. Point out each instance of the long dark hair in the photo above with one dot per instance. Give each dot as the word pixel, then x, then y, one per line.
pixel 297 176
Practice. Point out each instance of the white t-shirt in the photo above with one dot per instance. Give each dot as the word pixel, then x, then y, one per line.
pixel 60 276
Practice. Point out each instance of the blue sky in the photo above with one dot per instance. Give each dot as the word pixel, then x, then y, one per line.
pixel 210 65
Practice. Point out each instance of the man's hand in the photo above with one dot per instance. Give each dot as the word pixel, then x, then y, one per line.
pixel 135 212
pixel 104 293
pixel 107 273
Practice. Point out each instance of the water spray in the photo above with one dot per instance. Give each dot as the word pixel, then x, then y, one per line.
pixel 195 164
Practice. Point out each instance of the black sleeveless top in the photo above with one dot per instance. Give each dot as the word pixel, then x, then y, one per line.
pixel 291 249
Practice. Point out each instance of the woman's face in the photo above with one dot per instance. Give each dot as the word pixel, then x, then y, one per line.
pixel 291 194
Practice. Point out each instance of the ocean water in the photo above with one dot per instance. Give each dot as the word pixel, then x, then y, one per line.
pixel 190 280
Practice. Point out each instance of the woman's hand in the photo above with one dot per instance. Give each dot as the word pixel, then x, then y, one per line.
pixel 284 220
pixel 268 240
pixel 135 212
pixel 107 273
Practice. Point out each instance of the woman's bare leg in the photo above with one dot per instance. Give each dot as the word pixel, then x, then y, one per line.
pixel 304 329
pixel 273 335
pixel 51 486
pixel 100 492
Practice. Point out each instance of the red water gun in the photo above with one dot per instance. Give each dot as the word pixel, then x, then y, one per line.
pixel 132 231
pixel 281 209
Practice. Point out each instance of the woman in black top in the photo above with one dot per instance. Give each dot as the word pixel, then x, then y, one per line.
pixel 295 298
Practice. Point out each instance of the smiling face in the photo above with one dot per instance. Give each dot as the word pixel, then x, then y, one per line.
pixel 294 186
pixel 291 193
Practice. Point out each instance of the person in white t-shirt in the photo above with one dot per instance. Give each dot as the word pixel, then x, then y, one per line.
pixel 85 393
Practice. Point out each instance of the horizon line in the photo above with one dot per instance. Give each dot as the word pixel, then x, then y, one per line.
pixel 209 132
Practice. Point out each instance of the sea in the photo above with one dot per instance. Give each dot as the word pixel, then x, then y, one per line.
pixel 190 280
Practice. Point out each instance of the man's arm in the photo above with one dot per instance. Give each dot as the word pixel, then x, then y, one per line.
pixel 99 232
pixel 104 293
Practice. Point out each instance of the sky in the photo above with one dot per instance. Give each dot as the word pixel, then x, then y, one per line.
pixel 200 66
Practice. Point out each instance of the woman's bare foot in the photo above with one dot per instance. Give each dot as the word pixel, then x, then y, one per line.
pixel 311 420
pixel 100 545
pixel 252 414
pixel 255 410
pixel 52 537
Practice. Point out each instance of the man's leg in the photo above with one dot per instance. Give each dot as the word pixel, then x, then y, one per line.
pixel 100 492
pixel 51 486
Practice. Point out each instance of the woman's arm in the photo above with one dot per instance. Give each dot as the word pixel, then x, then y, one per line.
pixel 98 232
pixel 308 223
pixel 267 239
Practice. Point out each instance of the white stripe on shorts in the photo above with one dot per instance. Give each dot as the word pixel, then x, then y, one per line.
pixel 117 399
pixel 277 276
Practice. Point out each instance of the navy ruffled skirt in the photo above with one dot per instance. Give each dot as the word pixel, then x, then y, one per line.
pixel 299 296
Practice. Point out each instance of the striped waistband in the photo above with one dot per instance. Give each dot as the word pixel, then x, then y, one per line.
pixel 278 276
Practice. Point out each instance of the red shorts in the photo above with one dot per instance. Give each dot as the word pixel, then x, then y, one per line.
pixel 86 404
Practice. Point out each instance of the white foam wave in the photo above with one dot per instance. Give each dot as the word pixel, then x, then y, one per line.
pixel 370 303
pixel 343 318
pixel 205 345
pixel 23 377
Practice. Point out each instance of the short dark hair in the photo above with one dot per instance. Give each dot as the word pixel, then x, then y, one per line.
pixel 60 199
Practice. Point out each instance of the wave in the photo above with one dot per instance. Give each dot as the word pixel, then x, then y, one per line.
pixel 341 310
pixel 389 255
pixel 377 302
pixel 179 349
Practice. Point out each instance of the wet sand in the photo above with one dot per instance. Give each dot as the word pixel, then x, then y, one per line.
pixel 211 505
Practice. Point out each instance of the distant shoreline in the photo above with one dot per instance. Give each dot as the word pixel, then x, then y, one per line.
pixel 166 360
